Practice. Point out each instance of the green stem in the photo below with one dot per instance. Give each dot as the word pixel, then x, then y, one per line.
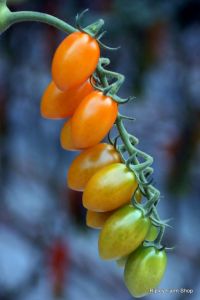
pixel 138 168
pixel 24 16
pixel 159 238
pixel 124 136
pixel 8 18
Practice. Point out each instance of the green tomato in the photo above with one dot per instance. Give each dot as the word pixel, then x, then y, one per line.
pixel 152 233
pixel 144 270
pixel 123 232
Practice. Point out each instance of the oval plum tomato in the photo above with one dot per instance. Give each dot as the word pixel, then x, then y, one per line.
pixel 152 233
pixel 144 270
pixel 57 104
pixel 123 232
pixel 93 119
pixel 75 60
pixel 95 219
pixel 66 137
pixel 109 188
pixel 88 163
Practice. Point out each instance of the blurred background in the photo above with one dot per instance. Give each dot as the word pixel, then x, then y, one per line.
pixel 46 251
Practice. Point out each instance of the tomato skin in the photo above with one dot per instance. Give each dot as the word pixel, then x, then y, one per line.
pixel 66 137
pixel 123 232
pixel 109 188
pixel 75 60
pixel 57 104
pixel 95 219
pixel 152 233
pixel 93 119
pixel 144 270
pixel 87 163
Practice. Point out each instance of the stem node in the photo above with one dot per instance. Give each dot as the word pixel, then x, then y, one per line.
pixel 4 16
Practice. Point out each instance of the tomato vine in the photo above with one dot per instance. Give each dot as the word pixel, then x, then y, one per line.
pixel 102 76
pixel 107 84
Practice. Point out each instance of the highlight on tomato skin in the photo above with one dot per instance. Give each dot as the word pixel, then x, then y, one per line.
pixel 144 270
pixel 56 104
pixel 75 60
pixel 88 162
pixel 66 139
pixel 109 188
pixel 93 119
pixel 151 236
pixel 123 232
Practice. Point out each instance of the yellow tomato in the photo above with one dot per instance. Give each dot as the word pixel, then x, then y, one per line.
pixel 109 188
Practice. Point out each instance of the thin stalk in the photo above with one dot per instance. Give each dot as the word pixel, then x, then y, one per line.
pixel 27 16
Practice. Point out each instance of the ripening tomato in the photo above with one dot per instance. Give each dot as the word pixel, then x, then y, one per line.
pixel 93 119
pixel 109 188
pixel 75 60
pixel 144 270
pixel 66 137
pixel 95 219
pixel 152 233
pixel 57 104
pixel 122 260
pixel 123 232
pixel 88 163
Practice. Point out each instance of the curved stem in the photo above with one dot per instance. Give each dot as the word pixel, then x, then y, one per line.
pixel 124 136
pixel 24 16
pixel 160 236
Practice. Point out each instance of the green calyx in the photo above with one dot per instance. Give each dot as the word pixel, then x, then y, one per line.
pixel 94 28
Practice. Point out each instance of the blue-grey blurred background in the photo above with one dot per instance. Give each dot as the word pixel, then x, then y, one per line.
pixel 46 251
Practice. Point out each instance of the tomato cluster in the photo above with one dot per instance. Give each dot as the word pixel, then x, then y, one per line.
pixel 108 185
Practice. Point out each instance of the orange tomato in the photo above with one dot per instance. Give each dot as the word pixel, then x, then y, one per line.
pixel 57 104
pixel 87 163
pixel 93 119
pixel 109 188
pixel 96 220
pixel 75 60
pixel 66 137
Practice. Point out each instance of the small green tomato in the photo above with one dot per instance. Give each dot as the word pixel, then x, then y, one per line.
pixel 123 232
pixel 144 270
